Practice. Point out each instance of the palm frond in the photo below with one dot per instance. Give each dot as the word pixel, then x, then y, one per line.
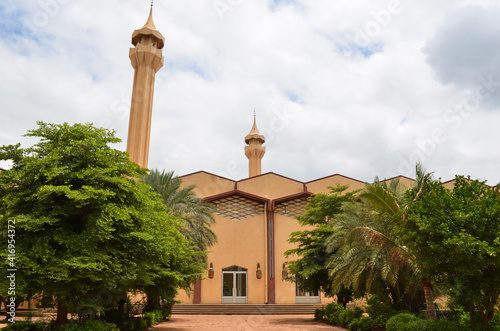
pixel 185 205
pixel 382 198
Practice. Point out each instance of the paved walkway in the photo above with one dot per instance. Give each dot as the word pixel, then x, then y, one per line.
pixel 243 323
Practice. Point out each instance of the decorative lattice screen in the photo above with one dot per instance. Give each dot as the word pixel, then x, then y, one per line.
pixel 236 207
pixel 292 208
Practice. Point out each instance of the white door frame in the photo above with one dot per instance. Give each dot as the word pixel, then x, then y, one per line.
pixel 308 297
pixel 234 298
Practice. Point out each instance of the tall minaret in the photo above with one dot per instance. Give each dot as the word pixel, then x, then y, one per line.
pixel 147 59
pixel 254 151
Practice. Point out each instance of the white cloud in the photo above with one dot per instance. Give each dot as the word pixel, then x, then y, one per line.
pixel 326 103
pixel 465 46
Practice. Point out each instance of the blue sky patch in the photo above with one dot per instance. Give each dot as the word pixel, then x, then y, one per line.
pixel 353 49
pixel 10 24
pixel 13 27
pixel 294 97
pixel 275 4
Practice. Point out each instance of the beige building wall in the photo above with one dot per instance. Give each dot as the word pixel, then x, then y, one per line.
pixel 322 185
pixel 271 186
pixel 243 245
pixel 246 242
pixel 207 185
pixel 285 291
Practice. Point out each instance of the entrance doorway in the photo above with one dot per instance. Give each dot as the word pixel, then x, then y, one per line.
pixel 302 296
pixel 234 285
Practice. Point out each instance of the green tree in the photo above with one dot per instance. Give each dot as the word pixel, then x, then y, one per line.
pixel 84 224
pixel 363 253
pixel 368 257
pixel 309 269
pixel 455 236
pixel 378 255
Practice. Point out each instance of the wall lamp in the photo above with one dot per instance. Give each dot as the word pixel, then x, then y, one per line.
pixel 211 271
pixel 259 271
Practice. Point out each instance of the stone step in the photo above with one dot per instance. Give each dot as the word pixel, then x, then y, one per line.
pixel 244 309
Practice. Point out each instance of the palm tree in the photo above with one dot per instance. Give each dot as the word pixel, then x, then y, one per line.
pixel 184 204
pixel 370 251
pixel 393 201
pixel 369 258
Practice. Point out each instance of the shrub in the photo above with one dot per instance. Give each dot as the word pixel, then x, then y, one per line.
pixel 136 324
pixel 379 310
pixel 71 326
pixel 348 315
pixel 495 322
pixel 420 325
pixel 115 316
pixel 400 322
pixel 159 315
pixel 428 325
pixel 443 325
pixel 140 324
pixel 408 322
pixel 24 326
pixel 149 318
pixel 361 324
pixel 319 314
pixel 88 326
pixel 332 312
pixel 465 322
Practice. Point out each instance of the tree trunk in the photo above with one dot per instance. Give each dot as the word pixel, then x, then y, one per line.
pixel 342 300
pixel 429 300
pixel 152 302
pixel 121 307
pixel 167 309
pixel 62 314
pixel 5 303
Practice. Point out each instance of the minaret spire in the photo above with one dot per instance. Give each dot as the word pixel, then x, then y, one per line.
pixel 254 151
pixel 146 58
pixel 149 23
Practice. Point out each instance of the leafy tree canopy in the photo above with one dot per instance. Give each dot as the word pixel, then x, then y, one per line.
pixel 84 224
pixel 455 236
pixel 367 254
pixel 309 270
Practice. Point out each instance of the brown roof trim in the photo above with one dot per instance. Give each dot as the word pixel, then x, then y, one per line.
pixel 271 173
pixel 322 178
pixel 207 173
pixel 236 192
pixel 288 198
pixel 396 177
pixel 292 196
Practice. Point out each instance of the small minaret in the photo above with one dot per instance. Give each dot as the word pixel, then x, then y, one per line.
pixel 147 59
pixel 254 151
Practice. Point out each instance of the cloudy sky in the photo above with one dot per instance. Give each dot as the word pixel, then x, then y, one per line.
pixel 356 87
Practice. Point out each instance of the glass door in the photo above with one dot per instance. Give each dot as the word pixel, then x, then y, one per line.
pixel 302 296
pixel 234 285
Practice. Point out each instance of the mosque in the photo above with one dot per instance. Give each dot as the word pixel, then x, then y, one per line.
pixel 255 216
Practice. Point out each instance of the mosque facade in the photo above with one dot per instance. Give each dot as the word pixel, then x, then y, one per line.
pixel 255 216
